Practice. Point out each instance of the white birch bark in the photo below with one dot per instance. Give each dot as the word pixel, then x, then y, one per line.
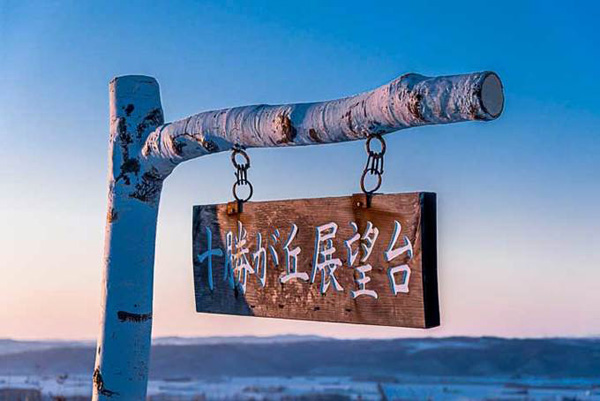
pixel 409 101
pixel 121 370
pixel 144 151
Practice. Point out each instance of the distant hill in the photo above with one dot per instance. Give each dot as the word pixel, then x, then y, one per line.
pixel 12 346
pixel 8 346
pixel 240 340
pixel 176 358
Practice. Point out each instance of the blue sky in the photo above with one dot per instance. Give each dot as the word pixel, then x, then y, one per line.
pixel 518 217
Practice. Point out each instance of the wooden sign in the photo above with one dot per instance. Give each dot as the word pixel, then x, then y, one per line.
pixel 328 259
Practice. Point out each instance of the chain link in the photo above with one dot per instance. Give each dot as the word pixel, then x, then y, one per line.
pixel 241 173
pixel 374 164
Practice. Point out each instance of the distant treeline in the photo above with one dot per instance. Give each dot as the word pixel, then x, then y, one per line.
pixel 460 356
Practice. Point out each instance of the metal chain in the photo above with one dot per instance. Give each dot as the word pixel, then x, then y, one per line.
pixel 241 173
pixel 374 164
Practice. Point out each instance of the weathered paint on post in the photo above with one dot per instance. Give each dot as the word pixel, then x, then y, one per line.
pixel 325 259
pixel 121 370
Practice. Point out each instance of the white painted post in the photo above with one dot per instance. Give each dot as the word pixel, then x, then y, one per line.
pixel 144 151
pixel 121 370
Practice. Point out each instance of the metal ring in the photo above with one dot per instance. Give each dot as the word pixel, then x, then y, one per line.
pixel 235 186
pixel 362 181
pixel 381 141
pixel 234 153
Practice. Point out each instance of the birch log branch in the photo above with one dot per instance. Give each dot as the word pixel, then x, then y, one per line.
pixel 409 101
pixel 143 152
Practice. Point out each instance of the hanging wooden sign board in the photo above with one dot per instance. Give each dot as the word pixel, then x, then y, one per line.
pixel 327 259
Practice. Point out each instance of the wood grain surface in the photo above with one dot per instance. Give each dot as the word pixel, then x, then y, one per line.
pixel 309 299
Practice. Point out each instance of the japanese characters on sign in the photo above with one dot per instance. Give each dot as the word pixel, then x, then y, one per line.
pixel 239 262
pixel 320 259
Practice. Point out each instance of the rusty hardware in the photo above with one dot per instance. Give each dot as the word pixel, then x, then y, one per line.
pixel 241 179
pixel 374 166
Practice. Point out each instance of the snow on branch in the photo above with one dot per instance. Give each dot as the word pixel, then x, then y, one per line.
pixel 408 101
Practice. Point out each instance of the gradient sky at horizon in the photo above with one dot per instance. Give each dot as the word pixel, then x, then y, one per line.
pixel 519 246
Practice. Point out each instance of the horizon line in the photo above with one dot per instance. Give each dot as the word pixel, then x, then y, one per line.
pixel 316 336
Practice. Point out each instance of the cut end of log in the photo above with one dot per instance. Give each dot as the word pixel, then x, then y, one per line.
pixel 136 98
pixel 492 95
pixel 138 86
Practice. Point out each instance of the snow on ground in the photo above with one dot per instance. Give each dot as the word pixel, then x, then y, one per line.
pixel 277 388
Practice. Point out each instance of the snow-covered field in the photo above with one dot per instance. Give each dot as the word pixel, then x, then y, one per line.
pixel 313 368
pixel 290 388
